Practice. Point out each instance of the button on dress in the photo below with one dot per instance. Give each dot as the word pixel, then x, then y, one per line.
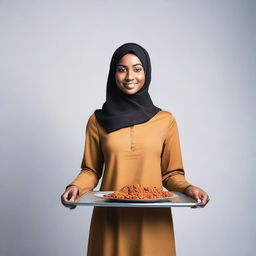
pixel 148 154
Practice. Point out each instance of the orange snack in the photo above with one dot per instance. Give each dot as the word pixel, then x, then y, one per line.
pixel 137 191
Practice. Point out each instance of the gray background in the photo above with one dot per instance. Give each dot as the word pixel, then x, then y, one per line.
pixel 55 58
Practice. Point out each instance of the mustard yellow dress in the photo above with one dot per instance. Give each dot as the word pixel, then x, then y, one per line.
pixel 148 154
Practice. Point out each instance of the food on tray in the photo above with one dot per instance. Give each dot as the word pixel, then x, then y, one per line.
pixel 137 191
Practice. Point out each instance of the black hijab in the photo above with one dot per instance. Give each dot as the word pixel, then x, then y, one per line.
pixel 120 109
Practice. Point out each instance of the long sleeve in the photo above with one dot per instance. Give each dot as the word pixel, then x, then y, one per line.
pixel 173 176
pixel 93 160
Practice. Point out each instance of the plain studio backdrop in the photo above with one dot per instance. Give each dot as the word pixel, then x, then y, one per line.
pixel 55 59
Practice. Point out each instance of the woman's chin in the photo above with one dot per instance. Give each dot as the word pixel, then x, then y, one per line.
pixel 129 91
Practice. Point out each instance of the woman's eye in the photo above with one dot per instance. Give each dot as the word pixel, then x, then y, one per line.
pixel 124 69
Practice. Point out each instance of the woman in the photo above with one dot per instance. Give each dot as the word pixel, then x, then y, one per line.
pixel 139 144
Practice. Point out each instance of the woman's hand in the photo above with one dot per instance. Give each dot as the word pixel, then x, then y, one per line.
pixel 197 194
pixel 70 195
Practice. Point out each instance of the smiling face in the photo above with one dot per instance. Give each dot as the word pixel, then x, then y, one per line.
pixel 129 75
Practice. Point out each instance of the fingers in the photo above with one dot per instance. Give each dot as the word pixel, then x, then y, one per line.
pixel 200 196
pixel 68 196
pixel 204 198
pixel 197 206
pixel 72 199
pixel 196 196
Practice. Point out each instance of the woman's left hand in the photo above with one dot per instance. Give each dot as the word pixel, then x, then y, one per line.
pixel 197 194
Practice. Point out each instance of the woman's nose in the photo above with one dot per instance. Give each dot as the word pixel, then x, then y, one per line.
pixel 129 76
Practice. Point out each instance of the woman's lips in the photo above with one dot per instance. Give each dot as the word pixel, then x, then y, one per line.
pixel 129 86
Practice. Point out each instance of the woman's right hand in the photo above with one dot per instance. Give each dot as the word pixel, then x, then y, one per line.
pixel 70 195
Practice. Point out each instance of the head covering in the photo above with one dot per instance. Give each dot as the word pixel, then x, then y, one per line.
pixel 120 109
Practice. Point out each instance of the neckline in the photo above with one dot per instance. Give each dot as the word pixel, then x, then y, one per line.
pixel 128 127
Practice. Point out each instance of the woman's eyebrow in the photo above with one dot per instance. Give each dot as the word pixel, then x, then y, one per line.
pixel 126 66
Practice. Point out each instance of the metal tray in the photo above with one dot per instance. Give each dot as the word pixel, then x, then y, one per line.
pixel 177 200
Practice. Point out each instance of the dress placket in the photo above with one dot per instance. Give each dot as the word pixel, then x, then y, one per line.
pixel 132 138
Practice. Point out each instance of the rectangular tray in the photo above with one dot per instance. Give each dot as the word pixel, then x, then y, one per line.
pixel 178 200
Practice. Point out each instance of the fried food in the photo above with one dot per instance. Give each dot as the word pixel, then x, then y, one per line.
pixel 137 191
